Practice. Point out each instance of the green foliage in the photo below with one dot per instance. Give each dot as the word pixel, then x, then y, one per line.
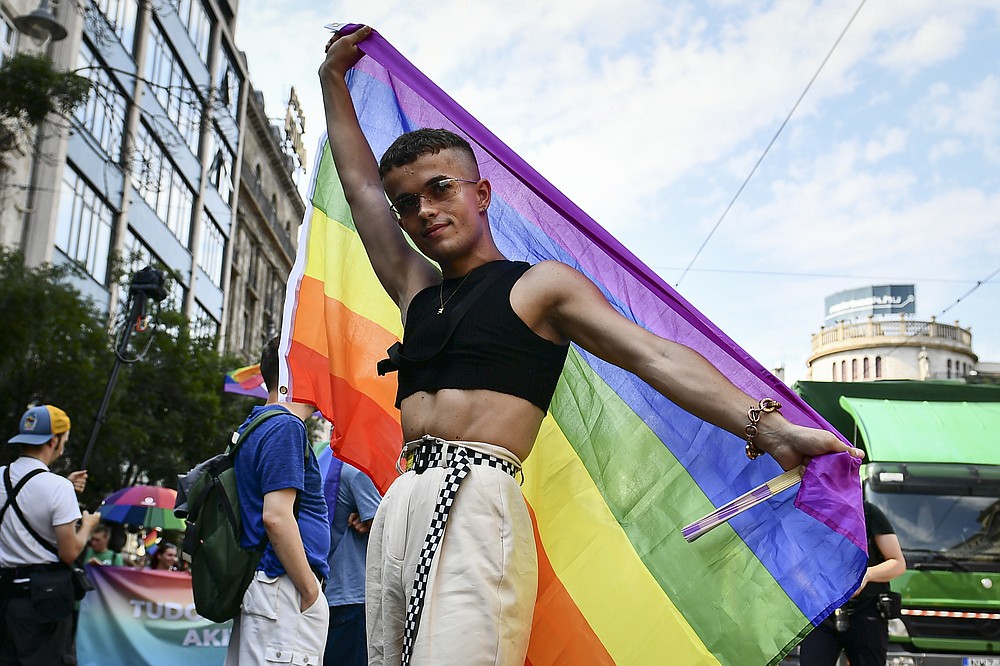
pixel 53 347
pixel 167 411
pixel 31 88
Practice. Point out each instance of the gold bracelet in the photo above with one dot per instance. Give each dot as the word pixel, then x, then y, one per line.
pixel 765 405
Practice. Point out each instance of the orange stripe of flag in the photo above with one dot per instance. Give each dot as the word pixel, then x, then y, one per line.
pixel 371 434
pixel 560 634
pixel 351 343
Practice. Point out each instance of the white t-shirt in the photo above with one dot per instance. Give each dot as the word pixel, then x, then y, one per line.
pixel 46 500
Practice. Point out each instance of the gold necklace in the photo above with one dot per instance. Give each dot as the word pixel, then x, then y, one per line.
pixel 444 301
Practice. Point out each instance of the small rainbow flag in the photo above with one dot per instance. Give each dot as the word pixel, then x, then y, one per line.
pixel 246 381
pixel 617 470
pixel 151 540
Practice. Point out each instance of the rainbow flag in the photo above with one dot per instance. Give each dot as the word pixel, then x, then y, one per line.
pixel 617 470
pixel 151 540
pixel 141 617
pixel 246 381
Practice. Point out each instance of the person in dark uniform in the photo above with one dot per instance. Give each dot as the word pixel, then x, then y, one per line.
pixel 858 627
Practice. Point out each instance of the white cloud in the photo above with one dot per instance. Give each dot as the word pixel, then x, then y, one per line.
pixel 890 142
pixel 937 39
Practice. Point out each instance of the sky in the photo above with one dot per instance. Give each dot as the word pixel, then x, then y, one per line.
pixel 651 115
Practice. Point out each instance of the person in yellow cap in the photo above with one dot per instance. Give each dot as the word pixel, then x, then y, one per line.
pixel 39 539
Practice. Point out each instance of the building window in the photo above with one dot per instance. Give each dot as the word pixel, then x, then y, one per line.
pixel 833 372
pixel 85 221
pixel 865 367
pixel 249 345
pixel 949 369
pixel 228 82
pixel 213 246
pixel 203 325
pixel 120 17
pixel 220 171
pixel 878 367
pixel 199 28
pixel 854 369
pixel 171 85
pixel 843 371
pixel 138 255
pixel 103 116
pixel 8 37
pixel 160 184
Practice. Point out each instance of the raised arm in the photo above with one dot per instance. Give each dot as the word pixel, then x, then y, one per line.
pixel 402 270
pixel 564 304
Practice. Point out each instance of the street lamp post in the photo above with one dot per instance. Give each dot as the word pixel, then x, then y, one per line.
pixel 41 26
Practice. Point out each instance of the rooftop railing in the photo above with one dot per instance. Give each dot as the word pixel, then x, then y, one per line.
pixel 918 331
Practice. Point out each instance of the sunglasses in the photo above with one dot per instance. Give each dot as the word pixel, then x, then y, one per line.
pixel 437 192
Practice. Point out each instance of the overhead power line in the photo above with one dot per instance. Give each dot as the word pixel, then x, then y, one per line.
pixel 771 143
pixel 844 276
pixel 979 283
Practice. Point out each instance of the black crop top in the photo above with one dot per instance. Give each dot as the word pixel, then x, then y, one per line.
pixel 490 347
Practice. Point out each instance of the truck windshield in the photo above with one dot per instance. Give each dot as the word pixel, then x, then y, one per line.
pixel 942 531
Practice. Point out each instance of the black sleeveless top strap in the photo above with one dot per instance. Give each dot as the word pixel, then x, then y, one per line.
pixel 479 342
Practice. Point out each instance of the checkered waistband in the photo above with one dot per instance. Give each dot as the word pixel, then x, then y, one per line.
pixel 428 451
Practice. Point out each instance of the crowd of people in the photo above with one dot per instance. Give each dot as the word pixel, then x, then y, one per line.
pixel 43 535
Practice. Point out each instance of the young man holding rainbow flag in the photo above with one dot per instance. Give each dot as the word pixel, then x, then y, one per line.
pixel 484 343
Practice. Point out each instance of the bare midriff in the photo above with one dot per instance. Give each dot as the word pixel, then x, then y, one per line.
pixel 473 416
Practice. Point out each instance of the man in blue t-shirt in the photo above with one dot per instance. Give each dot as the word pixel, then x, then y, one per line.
pixel 284 615
pixel 352 500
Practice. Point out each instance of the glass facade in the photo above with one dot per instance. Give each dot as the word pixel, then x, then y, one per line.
pixel 136 158
pixel 103 115
pixel 119 16
pixel 172 86
pixel 220 172
pixel 228 83
pixel 199 27
pixel 84 228
pixel 8 37
pixel 161 185
pixel 137 255
pixel 203 324
pixel 213 247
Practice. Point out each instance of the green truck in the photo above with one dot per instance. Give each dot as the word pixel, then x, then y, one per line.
pixel 933 466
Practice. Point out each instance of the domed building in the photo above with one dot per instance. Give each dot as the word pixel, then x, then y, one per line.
pixel 869 334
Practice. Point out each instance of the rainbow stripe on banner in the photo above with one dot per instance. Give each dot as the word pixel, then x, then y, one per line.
pixel 617 470
pixel 246 381
pixel 134 617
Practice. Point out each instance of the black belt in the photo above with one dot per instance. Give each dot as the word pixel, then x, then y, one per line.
pixel 426 452
pixel 10 574
pixel 320 577
pixel 22 588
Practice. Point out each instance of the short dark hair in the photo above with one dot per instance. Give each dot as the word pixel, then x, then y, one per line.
pixel 269 363
pixel 411 145
pixel 101 529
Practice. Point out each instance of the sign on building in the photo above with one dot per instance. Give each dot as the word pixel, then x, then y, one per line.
pixel 885 299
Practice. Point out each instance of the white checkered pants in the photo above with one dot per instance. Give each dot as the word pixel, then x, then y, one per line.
pixel 430 453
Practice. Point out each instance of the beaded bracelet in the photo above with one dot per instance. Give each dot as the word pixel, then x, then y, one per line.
pixel 765 405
